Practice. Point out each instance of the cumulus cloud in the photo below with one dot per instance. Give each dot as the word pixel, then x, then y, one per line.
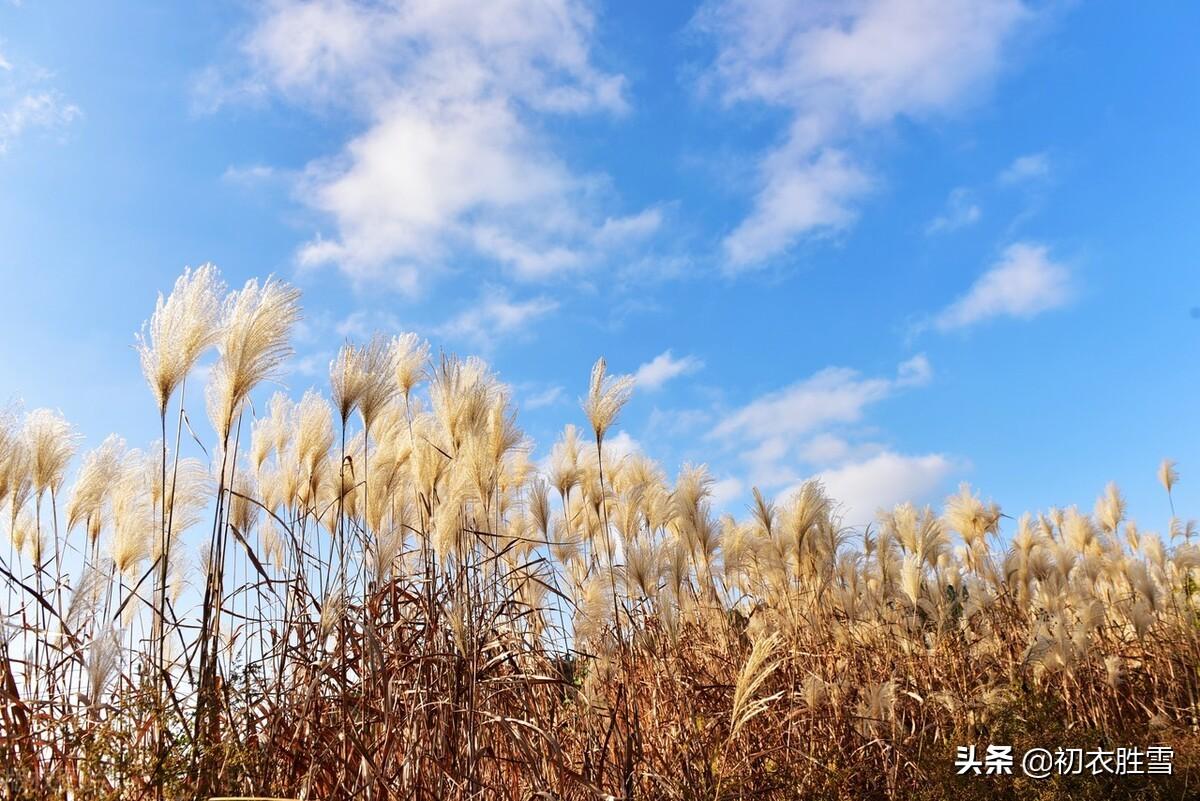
pixel 620 445
pixel 451 156
pixel 884 480
pixel 839 70
pixel 1024 283
pixel 662 368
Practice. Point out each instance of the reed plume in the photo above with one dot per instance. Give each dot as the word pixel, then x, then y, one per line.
pixel 606 396
pixel 256 324
pixel 51 444
pixel 183 326
pixel 362 379
pixel 94 486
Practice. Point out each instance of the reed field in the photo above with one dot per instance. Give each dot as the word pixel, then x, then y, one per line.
pixel 377 594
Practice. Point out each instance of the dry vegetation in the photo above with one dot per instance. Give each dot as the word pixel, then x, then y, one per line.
pixel 392 602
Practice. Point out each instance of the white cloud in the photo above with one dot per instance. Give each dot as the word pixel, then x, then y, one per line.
pixel 362 324
pixel 620 445
pixel 546 397
pixel 312 365
pixel 29 102
pixel 914 372
pixel 725 491
pixel 495 316
pixel 677 422
pixel 800 192
pixel 30 110
pixel 451 157
pixel 832 395
pixel 662 368
pixel 882 481
pixel 824 448
pixel 961 211
pixel 839 70
pixel 778 429
pixel 1030 167
pixel 248 175
pixel 622 230
pixel 1025 282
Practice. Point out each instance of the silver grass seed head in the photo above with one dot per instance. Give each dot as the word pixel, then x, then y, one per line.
pixel 1168 475
pixel 410 355
pixel 314 434
pixel 103 659
pixel 1110 508
pixel 94 486
pixel 253 345
pixel 10 442
pixel 362 379
pixel 183 326
pixel 606 397
pixel 52 443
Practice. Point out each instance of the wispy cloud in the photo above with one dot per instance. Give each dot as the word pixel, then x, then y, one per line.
pixel 249 174
pixel 361 324
pixel 452 156
pixel 799 194
pixel 914 372
pixel 1030 167
pixel 495 316
pixel 839 70
pixel 778 430
pixel 45 110
pixel 961 211
pixel 28 102
pixel 832 395
pixel 725 491
pixel 546 397
pixel 1023 283
pixel 662 368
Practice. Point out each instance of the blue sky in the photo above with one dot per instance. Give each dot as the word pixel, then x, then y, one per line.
pixel 894 243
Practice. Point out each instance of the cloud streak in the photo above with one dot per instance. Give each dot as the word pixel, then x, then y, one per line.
pixel 495 316
pixel 1024 169
pixel 652 375
pixel 778 431
pixel 1023 283
pixel 961 212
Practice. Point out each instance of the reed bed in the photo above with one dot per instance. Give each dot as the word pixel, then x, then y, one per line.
pixel 377 595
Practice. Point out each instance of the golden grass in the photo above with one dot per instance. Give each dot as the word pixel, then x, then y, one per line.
pixel 399 606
